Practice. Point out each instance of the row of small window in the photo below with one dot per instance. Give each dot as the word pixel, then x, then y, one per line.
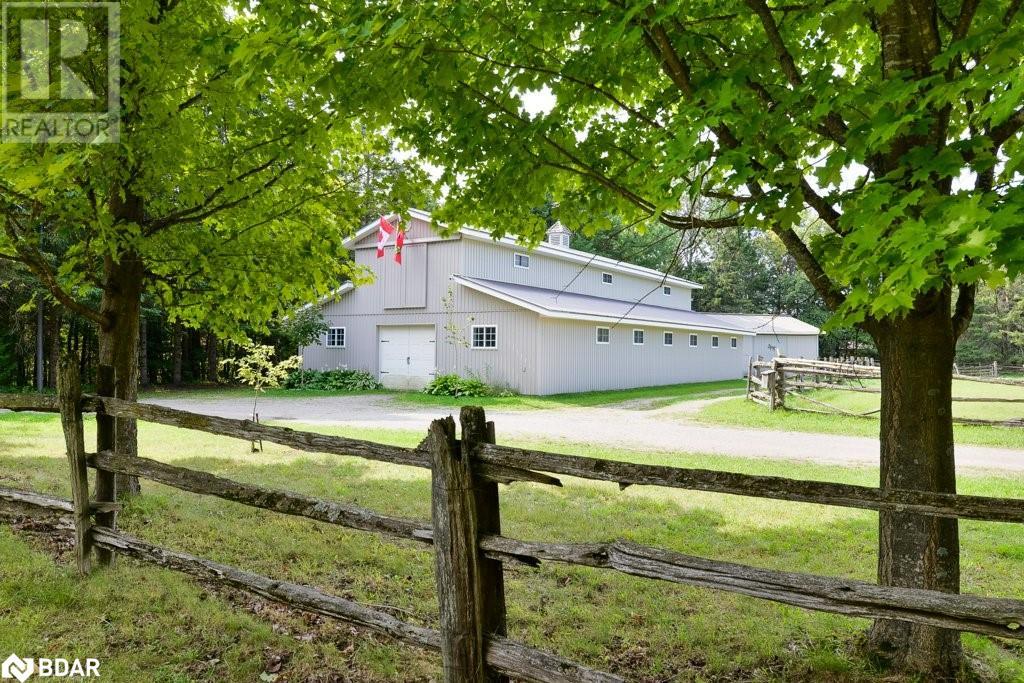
pixel 523 261
pixel 483 337
pixel 604 336
pixel 486 337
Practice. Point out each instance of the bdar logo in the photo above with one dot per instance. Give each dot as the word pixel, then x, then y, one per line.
pixel 16 667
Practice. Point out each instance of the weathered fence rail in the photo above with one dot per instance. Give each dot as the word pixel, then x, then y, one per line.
pixel 771 382
pixel 465 532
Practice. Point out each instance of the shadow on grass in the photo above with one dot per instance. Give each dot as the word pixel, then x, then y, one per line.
pixel 647 630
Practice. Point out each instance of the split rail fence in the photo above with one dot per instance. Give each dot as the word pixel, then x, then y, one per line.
pixel 773 382
pixel 465 531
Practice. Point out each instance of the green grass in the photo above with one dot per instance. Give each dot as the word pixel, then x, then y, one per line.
pixel 141 619
pixel 654 396
pixel 859 402
pixel 743 413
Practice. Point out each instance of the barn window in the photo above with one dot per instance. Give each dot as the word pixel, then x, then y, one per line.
pixel 668 339
pixel 667 291
pixel 693 340
pixel 604 335
pixel 638 337
pixel 521 261
pixel 732 342
pixel 606 278
pixel 485 336
pixel 336 338
pixel 714 342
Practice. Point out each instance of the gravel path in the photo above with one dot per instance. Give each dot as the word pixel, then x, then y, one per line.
pixel 630 425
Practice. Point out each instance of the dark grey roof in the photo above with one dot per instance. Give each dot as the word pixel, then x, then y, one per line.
pixel 555 304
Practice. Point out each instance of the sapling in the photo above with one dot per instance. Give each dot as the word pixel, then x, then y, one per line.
pixel 258 370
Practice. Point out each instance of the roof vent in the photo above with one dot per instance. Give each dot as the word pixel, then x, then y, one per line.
pixel 559 235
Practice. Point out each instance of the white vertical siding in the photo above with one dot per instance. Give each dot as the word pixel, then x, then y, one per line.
pixel 573 361
pixel 769 345
pixel 494 262
pixel 362 311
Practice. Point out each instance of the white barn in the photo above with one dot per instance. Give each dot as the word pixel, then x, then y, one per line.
pixel 546 320
pixel 776 335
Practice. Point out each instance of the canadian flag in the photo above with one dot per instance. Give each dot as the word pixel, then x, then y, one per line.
pixel 386 231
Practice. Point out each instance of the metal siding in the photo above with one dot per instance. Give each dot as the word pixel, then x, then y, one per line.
pixel 793 345
pixel 572 361
pixel 802 346
pixel 494 262
pixel 361 311
pixel 405 283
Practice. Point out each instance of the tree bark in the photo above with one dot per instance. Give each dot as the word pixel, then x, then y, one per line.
pixel 177 335
pixel 917 454
pixel 143 352
pixel 211 357
pixel 121 306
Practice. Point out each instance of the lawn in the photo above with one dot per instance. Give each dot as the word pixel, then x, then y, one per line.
pixel 141 619
pixel 655 396
pixel 740 412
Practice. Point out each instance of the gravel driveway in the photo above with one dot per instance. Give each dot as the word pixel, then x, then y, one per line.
pixel 626 425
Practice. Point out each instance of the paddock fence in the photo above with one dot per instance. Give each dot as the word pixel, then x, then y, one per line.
pixel 791 384
pixel 465 535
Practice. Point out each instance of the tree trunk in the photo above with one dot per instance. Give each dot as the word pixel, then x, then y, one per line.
pixel 119 338
pixel 177 335
pixel 53 346
pixel 211 357
pixel 143 352
pixel 917 453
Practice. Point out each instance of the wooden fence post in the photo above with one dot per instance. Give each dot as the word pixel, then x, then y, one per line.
pixel 69 396
pixel 780 385
pixel 476 430
pixel 106 481
pixel 456 555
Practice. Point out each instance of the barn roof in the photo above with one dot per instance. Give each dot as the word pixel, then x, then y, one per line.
pixel 562 253
pixel 551 303
pixel 768 324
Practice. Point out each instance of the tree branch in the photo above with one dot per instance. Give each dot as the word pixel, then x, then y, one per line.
pixel 206 208
pixel 963 22
pixel 966 294
pixel 835 127
pixel 36 262
pixel 1007 129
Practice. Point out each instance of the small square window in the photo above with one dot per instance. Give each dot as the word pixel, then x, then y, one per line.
pixel 606 278
pixel 714 342
pixel 521 261
pixel 693 340
pixel 668 339
pixel 732 342
pixel 485 337
pixel 336 338
pixel 638 337
pixel 667 291
pixel 604 335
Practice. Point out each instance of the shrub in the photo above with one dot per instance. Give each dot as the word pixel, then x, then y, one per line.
pixel 453 385
pixel 332 380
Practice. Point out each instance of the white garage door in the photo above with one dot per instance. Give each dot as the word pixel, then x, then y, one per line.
pixel 407 356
